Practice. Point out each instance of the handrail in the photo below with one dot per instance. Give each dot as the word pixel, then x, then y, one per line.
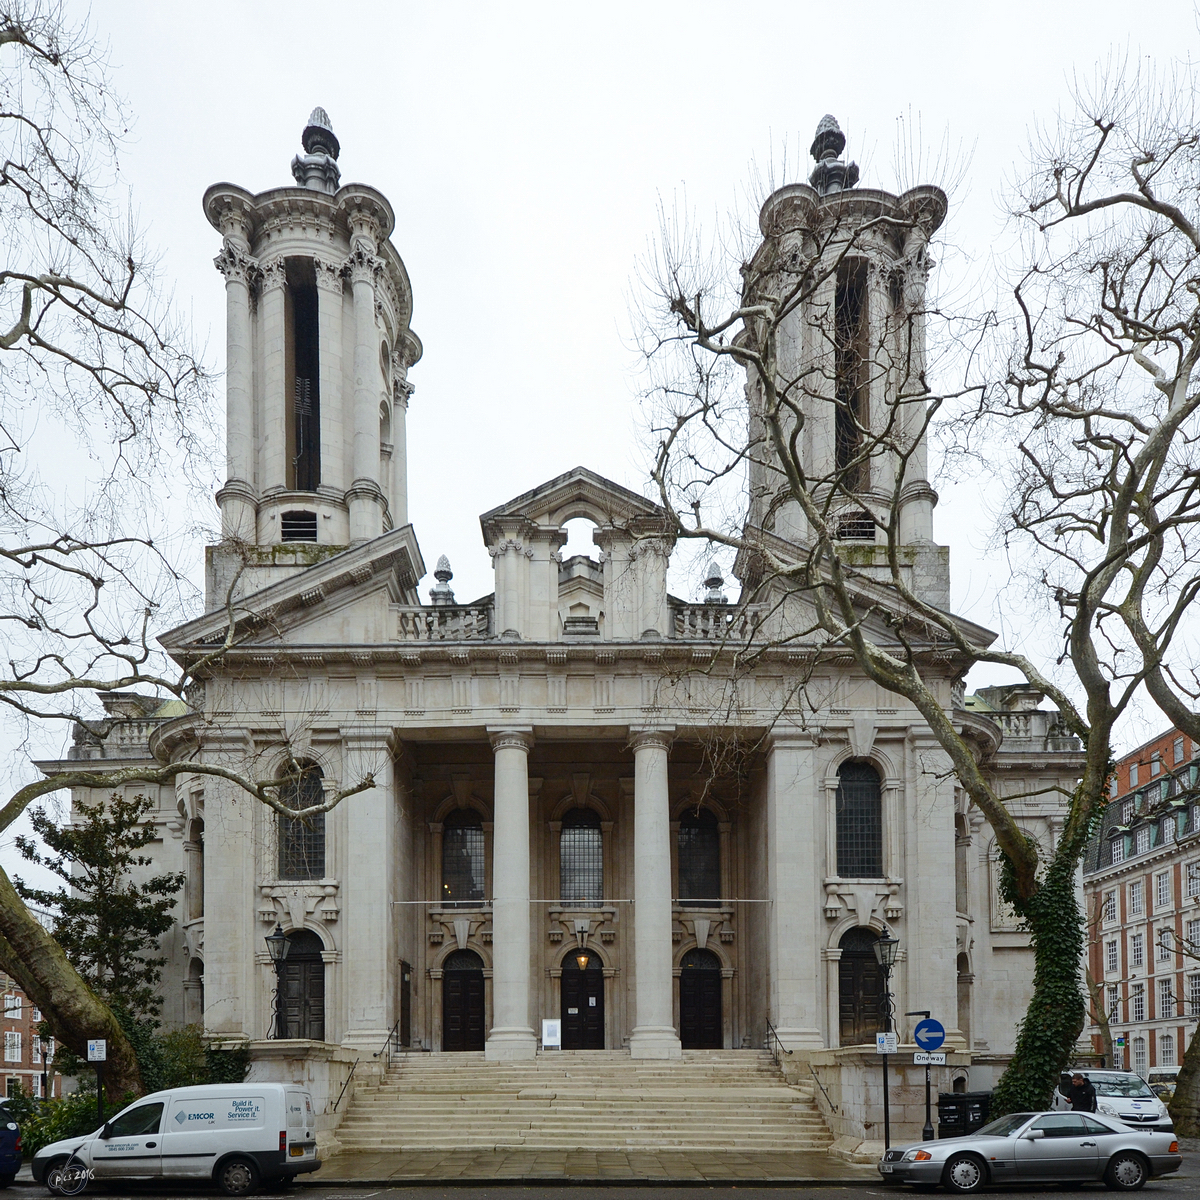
pixel 344 1087
pixel 778 1048
pixel 832 1107
pixel 386 1048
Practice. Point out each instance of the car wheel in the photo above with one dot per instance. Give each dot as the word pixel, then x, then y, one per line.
pixel 237 1177
pixel 964 1173
pixel 1126 1172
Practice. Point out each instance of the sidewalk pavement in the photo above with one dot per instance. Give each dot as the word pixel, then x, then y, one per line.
pixel 364 1168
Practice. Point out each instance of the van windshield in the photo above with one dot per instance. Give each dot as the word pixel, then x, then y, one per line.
pixel 1129 1087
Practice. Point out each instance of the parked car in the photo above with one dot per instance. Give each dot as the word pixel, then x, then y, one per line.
pixel 1121 1094
pixel 1162 1081
pixel 10 1147
pixel 1049 1147
pixel 236 1134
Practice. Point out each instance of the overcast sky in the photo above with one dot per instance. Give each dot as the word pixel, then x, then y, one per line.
pixel 526 147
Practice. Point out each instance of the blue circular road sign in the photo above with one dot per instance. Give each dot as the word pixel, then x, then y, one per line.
pixel 929 1034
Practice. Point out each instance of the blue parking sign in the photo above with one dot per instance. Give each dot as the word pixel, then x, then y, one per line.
pixel 929 1034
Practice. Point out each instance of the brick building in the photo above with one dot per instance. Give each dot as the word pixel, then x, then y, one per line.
pixel 27 1056
pixel 1142 887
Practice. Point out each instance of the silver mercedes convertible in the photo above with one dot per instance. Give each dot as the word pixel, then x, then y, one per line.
pixel 1047 1147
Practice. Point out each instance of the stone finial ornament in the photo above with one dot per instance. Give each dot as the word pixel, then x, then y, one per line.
pixel 714 582
pixel 831 174
pixel 317 167
pixel 441 594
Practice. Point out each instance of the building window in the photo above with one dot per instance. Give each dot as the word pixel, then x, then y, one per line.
pixel 1166 999
pixel 1193 879
pixel 1155 765
pixel 12 1007
pixel 1168 831
pixel 1193 995
pixel 1127 811
pixel 35 1049
pixel 1114 787
pixel 303 365
pixel 12 1087
pixel 1166 1050
pixel 1193 936
pixel 302 839
pixel 851 356
pixel 581 858
pixel 1114 1001
pixel 12 1046
pixel 37 1087
pixel 859 822
pixel 36 1015
pixel 1110 957
pixel 1137 950
pixel 1178 750
pixel 1196 818
pixel 1136 899
pixel 462 859
pixel 1117 850
pixel 1163 944
pixel 699 857
pixel 1110 907
pixel 1142 843
pixel 1162 889
pixel 1139 1055
pixel 1133 775
pixel 1137 1002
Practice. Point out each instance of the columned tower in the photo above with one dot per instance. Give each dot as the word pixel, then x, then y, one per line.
pixel 847 267
pixel 318 352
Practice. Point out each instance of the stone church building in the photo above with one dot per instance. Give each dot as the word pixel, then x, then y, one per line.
pixel 578 812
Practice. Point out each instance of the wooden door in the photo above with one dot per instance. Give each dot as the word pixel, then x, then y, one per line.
pixel 860 998
pixel 700 1024
pixel 582 1004
pixel 462 1010
pixel 302 998
pixel 405 1004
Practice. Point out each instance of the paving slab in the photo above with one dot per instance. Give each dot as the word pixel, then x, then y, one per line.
pixel 535 1166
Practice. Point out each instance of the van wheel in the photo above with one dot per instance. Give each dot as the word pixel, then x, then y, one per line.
pixel 237 1177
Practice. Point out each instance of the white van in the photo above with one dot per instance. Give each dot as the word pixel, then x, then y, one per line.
pixel 236 1134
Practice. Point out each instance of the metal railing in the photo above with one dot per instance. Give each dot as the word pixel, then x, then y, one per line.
pixel 832 1107
pixel 392 1043
pixel 345 1085
pixel 772 1043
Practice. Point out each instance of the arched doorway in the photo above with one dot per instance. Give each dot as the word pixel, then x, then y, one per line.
pixel 700 1025
pixel 860 988
pixel 462 1001
pixel 302 987
pixel 582 994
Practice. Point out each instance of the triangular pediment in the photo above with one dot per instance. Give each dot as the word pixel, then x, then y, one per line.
pixel 382 571
pixel 576 493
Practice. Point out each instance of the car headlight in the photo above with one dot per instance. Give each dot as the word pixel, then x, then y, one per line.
pixel 1106 1108
pixel 917 1156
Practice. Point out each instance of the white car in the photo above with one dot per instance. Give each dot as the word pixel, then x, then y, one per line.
pixel 1121 1094
pixel 236 1134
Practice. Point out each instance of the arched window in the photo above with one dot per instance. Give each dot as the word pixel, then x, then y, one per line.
pixel 699 858
pixel 859 822
pixel 1166 1050
pixel 302 839
pixel 462 859
pixel 1139 1055
pixel 581 859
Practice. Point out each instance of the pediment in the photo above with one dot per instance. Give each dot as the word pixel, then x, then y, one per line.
pixel 347 588
pixel 577 493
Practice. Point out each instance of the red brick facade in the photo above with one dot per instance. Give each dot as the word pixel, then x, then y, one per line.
pixel 24 1061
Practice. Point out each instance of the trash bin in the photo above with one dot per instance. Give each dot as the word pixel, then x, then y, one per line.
pixel 960 1113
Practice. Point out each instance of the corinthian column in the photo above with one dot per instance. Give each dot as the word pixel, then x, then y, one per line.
pixel 364 496
pixel 511 1034
pixel 654 1033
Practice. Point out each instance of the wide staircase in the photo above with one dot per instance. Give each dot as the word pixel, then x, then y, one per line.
pixel 584 1099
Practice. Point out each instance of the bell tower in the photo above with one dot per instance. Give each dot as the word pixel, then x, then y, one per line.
pixel 847 267
pixel 318 353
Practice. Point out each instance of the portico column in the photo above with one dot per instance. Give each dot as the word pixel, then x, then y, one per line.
pixel 654 1033
pixel 511 1034
pixel 364 495
pixel 795 839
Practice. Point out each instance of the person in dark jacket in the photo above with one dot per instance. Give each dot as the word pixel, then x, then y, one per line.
pixel 1083 1095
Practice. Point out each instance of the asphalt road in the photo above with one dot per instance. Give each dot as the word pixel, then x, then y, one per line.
pixel 1176 1188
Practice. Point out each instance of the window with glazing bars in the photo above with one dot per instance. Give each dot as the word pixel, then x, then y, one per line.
pixel 1193 936
pixel 1193 995
pixel 1193 879
pixel 1110 906
pixel 1116 850
pixel 1143 840
pixel 1135 898
pixel 1114 1001
pixel 1166 1050
pixel 859 822
pixel 1110 957
pixel 302 839
pixel 1126 812
pixel 1137 950
pixel 581 858
pixel 1163 944
pixel 1137 1003
pixel 1162 890
pixel 699 857
pixel 1166 999
pixel 462 859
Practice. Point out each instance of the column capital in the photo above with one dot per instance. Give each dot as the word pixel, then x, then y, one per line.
pixel 511 737
pixel 791 739
pixel 641 737
pixel 236 264
pixel 272 275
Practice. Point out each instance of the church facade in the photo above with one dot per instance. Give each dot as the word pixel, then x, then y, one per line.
pixel 578 810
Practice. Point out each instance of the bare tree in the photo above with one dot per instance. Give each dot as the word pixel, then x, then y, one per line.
pixel 1184 1105
pixel 102 401
pixel 1079 392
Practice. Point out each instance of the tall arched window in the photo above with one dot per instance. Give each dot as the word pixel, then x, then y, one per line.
pixel 581 859
pixel 462 859
pixel 859 822
pixel 699 858
pixel 302 839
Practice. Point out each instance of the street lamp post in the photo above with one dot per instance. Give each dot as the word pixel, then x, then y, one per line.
pixel 278 945
pixel 886 949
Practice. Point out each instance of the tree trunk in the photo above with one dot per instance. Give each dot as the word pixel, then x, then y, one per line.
pixel 1184 1105
pixel 1056 1013
pixel 36 961
pixel 1096 991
